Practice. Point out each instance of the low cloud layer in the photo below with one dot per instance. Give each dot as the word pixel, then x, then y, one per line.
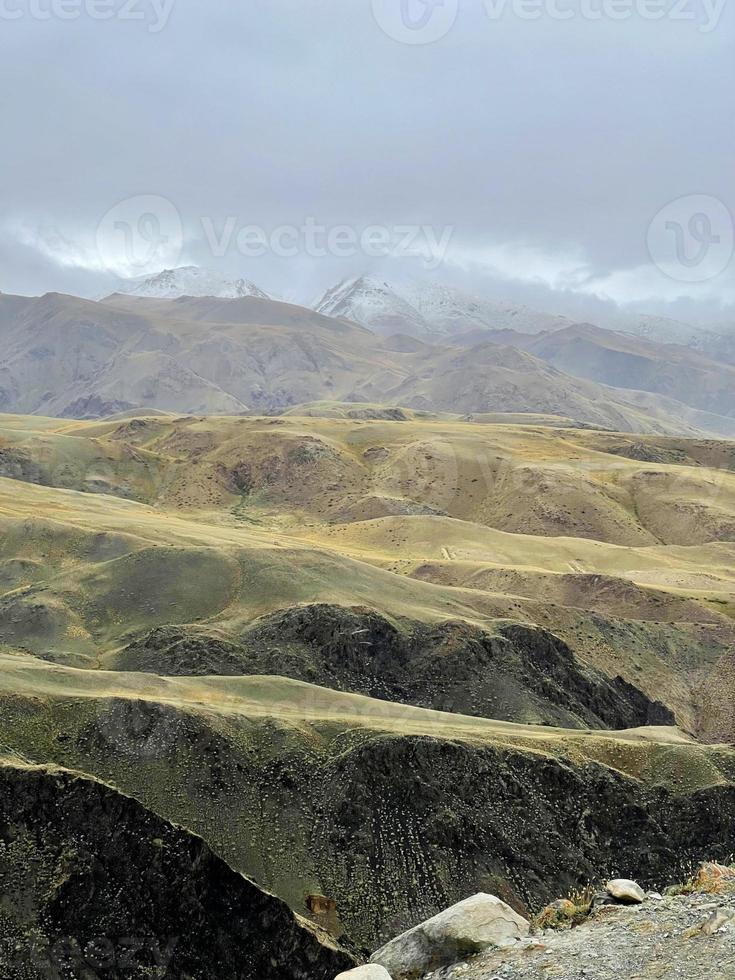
pixel 577 155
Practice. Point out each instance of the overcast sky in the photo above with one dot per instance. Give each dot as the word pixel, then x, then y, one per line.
pixel 537 152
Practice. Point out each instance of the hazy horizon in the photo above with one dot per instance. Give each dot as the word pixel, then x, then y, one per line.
pixel 572 162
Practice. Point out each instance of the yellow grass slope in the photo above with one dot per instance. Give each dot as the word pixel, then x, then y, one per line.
pixel 623 545
pixel 634 752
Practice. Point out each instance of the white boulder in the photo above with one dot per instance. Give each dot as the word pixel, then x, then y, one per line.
pixel 452 936
pixel 370 972
pixel 625 890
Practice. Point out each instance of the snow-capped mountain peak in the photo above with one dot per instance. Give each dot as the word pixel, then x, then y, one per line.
pixel 190 280
pixel 373 303
pixel 424 309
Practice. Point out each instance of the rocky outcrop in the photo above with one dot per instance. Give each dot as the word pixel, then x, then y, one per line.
pixel 524 827
pixel 516 673
pixel 392 828
pixel 469 927
pixel 95 885
pixel 93 407
pixel 681 936
pixel 15 464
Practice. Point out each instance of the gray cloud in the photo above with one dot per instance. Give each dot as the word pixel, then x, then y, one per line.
pixel 546 145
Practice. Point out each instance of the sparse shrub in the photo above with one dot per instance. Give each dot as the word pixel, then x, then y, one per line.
pixel 709 878
pixel 566 913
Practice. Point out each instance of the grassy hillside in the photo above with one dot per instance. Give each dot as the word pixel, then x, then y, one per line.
pixel 617 544
pixel 392 811
pixel 248 624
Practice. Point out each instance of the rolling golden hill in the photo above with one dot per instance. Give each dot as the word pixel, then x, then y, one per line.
pixel 621 546
pixel 385 659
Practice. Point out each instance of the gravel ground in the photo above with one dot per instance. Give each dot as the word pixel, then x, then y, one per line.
pixel 661 938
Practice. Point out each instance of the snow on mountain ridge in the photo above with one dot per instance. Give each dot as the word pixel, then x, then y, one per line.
pixel 190 280
pixel 662 330
pixel 373 303
pixel 425 309
pixel 453 311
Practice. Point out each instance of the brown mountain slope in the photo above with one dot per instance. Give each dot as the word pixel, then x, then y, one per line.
pixel 168 584
pixel 623 361
pixel 71 357
pixel 528 480
pixel 76 358
pixel 488 378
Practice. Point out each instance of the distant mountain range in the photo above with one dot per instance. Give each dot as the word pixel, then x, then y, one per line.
pixel 624 361
pixel 430 310
pixel 71 357
pixel 716 342
pixel 189 280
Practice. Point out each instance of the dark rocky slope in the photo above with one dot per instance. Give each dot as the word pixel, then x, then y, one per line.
pixel 396 827
pixel 517 673
pixel 94 885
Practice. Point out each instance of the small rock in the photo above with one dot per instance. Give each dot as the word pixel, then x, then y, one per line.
pixel 717 920
pixel 369 972
pixel 531 946
pixel 625 890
